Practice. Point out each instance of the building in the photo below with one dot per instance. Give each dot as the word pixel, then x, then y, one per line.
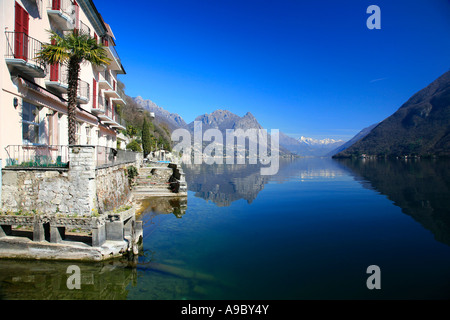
pixel 33 96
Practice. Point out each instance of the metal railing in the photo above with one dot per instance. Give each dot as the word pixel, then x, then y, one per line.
pixel 108 43
pixel 21 46
pixel 100 103
pixel 106 156
pixel 84 29
pixel 83 90
pixel 118 119
pixel 37 156
pixel 121 93
pixel 105 76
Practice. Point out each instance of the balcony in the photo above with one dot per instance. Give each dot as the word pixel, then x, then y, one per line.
pixel 57 79
pixel 120 98
pixel 104 80
pixel 21 51
pixel 107 114
pixel 115 63
pixel 119 123
pixel 83 92
pixel 61 13
pixel 108 84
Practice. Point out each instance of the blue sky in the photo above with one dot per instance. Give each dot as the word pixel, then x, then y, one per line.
pixel 309 68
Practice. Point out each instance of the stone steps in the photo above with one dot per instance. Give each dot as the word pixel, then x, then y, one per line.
pixel 154 181
pixel 155 188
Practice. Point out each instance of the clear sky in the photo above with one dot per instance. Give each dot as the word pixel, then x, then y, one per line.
pixel 309 68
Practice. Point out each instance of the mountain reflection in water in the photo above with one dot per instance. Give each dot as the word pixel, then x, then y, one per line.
pixel 224 184
pixel 421 188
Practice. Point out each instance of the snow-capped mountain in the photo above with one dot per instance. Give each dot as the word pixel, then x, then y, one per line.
pixel 309 147
pixel 316 142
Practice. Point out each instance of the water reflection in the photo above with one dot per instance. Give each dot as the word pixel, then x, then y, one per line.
pixel 162 205
pixel 47 280
pixel 420 187
pixel 224 184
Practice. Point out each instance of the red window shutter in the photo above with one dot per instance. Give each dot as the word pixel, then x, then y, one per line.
pixel 56 4
pixel 54 68
pixel 21 33
pixel 95 37
pixel 54 72
pixel 94 92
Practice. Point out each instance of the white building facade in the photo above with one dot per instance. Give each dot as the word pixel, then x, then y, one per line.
pixel 33 96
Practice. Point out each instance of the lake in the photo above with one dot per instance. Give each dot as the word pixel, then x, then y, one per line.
pixel 308 232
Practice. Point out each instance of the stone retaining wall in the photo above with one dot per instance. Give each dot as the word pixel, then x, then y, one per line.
pixel 50 201
pixel 80 190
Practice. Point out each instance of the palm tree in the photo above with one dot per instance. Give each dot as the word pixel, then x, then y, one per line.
pixel 72 49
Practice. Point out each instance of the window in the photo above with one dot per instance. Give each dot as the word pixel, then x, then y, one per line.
pixel 78 133
pixel 88 135
pixel 30 123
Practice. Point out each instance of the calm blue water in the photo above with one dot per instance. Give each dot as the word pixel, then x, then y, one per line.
pixel 310 232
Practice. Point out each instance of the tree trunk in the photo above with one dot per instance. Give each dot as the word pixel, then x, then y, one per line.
pixel 74 70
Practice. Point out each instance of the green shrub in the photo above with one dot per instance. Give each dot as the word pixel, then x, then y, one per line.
pixel 134 146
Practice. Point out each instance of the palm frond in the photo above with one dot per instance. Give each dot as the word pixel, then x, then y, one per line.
pixel 55 51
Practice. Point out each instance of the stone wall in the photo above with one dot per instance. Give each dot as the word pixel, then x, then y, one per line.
pixel 81 190
pixel 113 188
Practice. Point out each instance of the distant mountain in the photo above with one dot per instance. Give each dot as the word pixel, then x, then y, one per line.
pixel 421 126
pixel 316 142
pixel 364 132
pixel 224 119
pixel 309 147
pixel 173 120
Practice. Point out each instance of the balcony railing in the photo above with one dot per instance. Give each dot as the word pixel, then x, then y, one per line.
pixel 106 156
pixel 83 91
pixel 21 51
pixel 105 79
pixel 112 53
pixel 84 29
pixel 101 104
pixel 37 156
pixel 121 93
